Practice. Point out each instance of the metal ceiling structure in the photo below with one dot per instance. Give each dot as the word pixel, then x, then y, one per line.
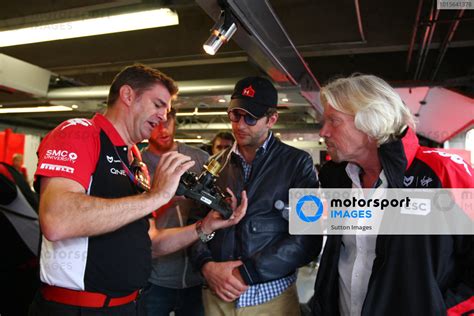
pixel 296 43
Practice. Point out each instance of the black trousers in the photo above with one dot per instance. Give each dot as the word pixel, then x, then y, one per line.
pixel 42 307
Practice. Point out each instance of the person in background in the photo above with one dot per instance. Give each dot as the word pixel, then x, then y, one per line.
pixel 370 137
pixel 250 269
pixel 174 285
pixel 221 141
pixel 17 163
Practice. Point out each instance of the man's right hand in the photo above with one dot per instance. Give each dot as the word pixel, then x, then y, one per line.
pixel 221 280
pixel 171 167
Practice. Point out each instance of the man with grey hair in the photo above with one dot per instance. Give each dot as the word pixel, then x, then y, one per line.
pixel 371 139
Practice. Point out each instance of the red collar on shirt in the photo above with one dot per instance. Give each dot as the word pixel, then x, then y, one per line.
pixel 103 123
pixel 410 145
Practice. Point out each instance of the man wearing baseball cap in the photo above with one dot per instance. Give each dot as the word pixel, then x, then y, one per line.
pixel 250 269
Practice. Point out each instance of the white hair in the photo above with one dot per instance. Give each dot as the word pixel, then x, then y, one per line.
pixel 377 109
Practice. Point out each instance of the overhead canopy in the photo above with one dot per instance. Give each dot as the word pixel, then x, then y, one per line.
pixel 441 113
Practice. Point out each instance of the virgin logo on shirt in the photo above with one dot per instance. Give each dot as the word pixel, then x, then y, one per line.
pixel 425 181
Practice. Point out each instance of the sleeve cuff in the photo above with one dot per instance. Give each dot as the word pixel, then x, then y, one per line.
pixel 202 261
pixel 249 273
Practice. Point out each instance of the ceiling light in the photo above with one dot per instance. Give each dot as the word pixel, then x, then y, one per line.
pixel 222 101
pixel 284 100
pixel 88 27
pixel 300 138
pixel 198 137
pixel 36 109
pixel 321 139
pixel 295 139
pixel 74 106
pixel 221 32
pixel 278 134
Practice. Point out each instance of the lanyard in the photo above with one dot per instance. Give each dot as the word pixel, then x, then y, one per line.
pixel 139 173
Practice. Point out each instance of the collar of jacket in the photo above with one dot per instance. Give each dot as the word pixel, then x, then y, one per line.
pixel 270 143
pixel 397 156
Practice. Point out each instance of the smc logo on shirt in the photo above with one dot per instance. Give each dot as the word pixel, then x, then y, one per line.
pixel 61 155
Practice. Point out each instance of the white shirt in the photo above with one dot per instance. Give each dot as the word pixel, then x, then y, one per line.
pixel 356 258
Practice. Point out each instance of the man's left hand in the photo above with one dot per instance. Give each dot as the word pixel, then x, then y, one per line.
pixel 214 221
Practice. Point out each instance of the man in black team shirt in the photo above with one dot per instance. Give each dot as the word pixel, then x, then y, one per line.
pixel 370 137
pixel 96 252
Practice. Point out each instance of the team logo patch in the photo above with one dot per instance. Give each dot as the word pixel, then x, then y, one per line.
pixel 425 181
pixel 248 92
pixel 61 155
pixel 78 121
pixel 407 181
pixel 111 159
pixel 48 166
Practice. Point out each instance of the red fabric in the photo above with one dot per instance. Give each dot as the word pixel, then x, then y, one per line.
pixel 10 144
pixel 72 149
pixel 465 154
pixel 410 146
pixel 83 298
pixel 2 146
pixel 102 122
pixel 463 308
pixel 451 169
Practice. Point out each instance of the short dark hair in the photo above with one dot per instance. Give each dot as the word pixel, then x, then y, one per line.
pixel 223 135
pixel 140 78
pixel 270 112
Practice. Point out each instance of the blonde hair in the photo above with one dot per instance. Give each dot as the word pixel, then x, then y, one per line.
pixel 378 110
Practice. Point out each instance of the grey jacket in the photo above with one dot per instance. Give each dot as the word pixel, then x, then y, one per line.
pixel 174 270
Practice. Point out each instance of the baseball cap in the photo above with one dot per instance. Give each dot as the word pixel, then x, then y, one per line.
pixel 254 95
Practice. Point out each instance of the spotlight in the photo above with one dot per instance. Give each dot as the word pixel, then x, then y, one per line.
pixel 221 32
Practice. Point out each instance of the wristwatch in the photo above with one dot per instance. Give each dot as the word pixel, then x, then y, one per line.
pixel 202 235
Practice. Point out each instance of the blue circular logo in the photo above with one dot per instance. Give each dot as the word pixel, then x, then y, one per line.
pixel 318 204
